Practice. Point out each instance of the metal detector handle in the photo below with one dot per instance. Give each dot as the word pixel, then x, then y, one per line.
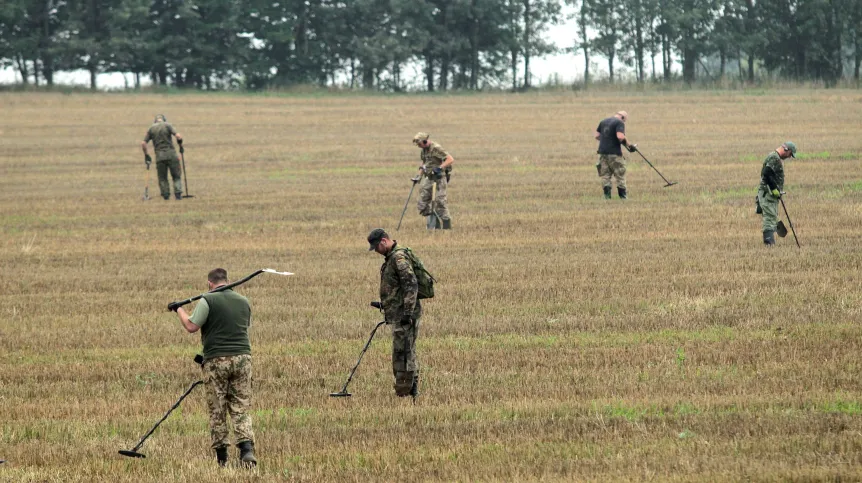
pixel 173 306
pixel 176 405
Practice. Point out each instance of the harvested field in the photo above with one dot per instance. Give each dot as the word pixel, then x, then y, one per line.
pixel 572 338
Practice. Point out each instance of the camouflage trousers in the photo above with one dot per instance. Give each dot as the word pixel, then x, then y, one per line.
pixel 162 168
pixel 612 166
pixel 228 386
pixel 426 205
pixel 404 364
pixel 769 205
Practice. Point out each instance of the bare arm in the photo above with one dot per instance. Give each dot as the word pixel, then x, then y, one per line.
pixel 179 137
pixel 597 135
pixel 144 146
pixel 622 137
pixel 187 324
pixel 447 162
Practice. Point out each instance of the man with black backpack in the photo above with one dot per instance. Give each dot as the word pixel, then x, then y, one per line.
pixel 403 282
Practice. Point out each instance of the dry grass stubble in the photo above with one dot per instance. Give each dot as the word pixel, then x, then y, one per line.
pixel 572 338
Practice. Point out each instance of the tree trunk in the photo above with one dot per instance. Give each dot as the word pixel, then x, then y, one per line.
pixel 514 66
pixel 689 63
pixel 585 45
pixel 723 64
pixel 639 46
pixel 474 46
pixel 527 39
pixel 137 81
pixel 429 71
pixel 23 69
pixel 444 71
pixel 750 68
pixel 611 66
pixel 666 57
pixel 36 72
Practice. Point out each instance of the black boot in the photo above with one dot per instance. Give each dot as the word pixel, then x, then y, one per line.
pixel 414 390
pixel 769 238
pixel 246 454
pixel 178 196
pixel 607 192
pixel 622 193
pixel 221 455
pixel 447 224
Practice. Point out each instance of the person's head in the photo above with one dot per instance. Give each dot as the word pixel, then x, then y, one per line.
pixel 421 139
pixel 379 241
pixel 160 118
pixel 216 277
pixel 622 116
pixel 787 150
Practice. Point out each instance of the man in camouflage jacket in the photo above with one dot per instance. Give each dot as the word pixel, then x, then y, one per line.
pixel 771 186
pixel 399 292
pixel 166 157
pixel 435 169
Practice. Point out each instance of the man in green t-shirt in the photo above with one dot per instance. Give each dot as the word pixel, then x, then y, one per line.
pixel 223 319
pixel 166 156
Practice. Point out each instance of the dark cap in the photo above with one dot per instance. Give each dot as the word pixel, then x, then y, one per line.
pixel 375 236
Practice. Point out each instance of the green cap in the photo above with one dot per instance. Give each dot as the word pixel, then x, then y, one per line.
pixel 375 236
pixel 789 146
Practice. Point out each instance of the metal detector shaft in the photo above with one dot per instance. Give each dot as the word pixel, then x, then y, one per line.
pixel 176 405
pixel 668 183
pixel 406 204
pixel 343 390
pixel 185 177
pixel 790 222
pixel 180 303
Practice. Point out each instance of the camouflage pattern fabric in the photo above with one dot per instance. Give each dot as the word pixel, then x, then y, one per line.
pixel 162 168
pixel 163 144
pixel 440 204
pixel 398 295
pixel 773 162
pixel 432 157
pixel 612 166
pixel 405 368
pixel 228 383
pixel 769 206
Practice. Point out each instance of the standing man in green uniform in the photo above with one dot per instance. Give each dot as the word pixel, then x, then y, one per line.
pixel 435 169
pixel 399 291
pixel 223 319
pixel 611 134
pixel 166 157
pixel 771 185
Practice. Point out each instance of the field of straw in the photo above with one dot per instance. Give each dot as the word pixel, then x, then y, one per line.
pixel 571 338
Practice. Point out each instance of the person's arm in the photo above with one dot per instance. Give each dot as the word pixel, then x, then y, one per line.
pixel 186 321
pixel 409 284
pixel 768 175
pixel 144 147
pixel 597 135
pixel 447 162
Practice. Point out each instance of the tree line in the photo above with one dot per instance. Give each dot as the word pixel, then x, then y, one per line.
pixel 433 45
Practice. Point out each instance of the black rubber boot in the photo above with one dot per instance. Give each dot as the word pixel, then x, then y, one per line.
pixel 447 224
pixel 607 192
pixel 221 456
pixel 246 454
pixel 622 193
pixel 166 197
pixel 769 238
pixel 178 196
pixel 414 390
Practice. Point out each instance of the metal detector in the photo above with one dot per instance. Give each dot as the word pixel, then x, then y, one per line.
pixel 133 453
pixel 185 177
pixel 789 222
pixel 415 182
pixel 173 306
pixel 147 186
pixel 343 392
pixel 669 183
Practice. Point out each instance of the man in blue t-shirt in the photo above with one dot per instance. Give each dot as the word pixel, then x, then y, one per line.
pixel 611 134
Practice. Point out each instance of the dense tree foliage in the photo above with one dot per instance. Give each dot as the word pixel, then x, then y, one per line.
pixel 425 44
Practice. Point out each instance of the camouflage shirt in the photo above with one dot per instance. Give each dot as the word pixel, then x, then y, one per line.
pixel 432 157
pixel 398 286
pixel 160 134
pixel 772 173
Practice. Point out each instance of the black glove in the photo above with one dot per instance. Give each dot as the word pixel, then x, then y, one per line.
pixel 180 142
pixel 632 147
pixel 377 305
pixel 447 177
pixel 148 159
pixel 173 306
pixel 182 149
pixel 199 359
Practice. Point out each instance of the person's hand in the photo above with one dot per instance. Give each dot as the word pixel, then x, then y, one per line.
pixel 173 306
pixel 416 179
pixel 148 159
pixel 632 147
pixel 776 193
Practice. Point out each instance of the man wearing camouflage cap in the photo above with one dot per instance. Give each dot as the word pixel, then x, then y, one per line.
pixel 399 300
pixel 166 157
pixel 435 170
pixel 771 186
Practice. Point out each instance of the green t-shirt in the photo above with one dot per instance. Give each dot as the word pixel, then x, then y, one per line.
pixel 163 144
pixel 224 318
